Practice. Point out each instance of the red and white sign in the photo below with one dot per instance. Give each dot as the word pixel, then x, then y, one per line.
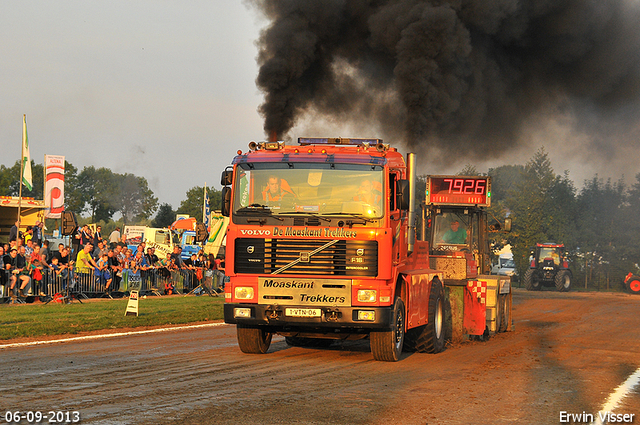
pixel 54 185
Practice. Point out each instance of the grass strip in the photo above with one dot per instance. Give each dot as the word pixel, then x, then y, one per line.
pixel 36 320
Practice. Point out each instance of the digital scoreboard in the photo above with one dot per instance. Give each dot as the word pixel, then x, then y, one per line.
pixel 459 190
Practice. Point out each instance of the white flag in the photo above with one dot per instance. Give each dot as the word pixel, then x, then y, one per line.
pixel 26 158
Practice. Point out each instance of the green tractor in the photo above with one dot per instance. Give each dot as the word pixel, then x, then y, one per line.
pixel 549 267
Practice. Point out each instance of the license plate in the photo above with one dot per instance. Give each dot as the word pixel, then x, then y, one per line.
pixel 303 312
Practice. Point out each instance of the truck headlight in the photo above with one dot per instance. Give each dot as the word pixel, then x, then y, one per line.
pixel 367 295
pixel 244 313
pixel 243 292
pixel 369 316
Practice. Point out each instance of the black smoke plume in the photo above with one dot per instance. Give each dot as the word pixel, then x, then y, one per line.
pixel 448 74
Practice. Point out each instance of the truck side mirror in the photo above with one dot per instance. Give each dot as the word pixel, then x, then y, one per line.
pixel 402 194
pixel 507 224
pixel 226 178
pixel 226 201
pixel 69 223
pixel 201 233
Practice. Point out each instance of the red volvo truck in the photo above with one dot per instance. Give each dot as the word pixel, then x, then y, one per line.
pixel 321 247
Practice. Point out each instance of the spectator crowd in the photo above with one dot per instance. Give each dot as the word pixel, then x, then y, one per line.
pixel 98 267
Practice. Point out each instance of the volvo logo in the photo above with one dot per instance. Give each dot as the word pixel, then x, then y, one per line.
pixel 360 252
pixel 250 249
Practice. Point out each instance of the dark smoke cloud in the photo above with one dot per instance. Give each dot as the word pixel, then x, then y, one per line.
pixel 449 74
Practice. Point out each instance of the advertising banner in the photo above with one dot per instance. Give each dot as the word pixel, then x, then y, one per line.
pixel 54 185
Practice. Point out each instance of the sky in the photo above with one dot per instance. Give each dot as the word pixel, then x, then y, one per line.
pixel 167 90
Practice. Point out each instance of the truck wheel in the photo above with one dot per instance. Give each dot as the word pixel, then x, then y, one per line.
pixel 563 280
pixel 503 312
pixel 253 340
pixel 531 283
pixel 386 346
pixel 296 341
pixel 430 337
pixel 633 285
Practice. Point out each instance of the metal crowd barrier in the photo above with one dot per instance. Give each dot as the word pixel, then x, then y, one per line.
pixel 93 285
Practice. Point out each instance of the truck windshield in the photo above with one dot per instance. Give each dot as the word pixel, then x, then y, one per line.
pixel 451 228
pixel 314 189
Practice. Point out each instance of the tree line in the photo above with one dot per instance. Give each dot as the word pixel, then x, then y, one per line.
pixel 598 224
pixel 99 194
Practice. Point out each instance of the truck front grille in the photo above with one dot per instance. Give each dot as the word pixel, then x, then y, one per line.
pixel 344 258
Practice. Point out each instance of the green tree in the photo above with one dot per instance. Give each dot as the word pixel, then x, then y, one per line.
pixel 10 181
pixel 73 197
pixel 135 200
pixel 504 179
pixel 469 170
pixel 98 190
pixel 538 215
pixel 166 215
pixel 193 204
pixel 631 226
pixel 603 232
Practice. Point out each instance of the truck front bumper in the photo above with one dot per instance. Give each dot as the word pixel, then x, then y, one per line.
pixel 274 317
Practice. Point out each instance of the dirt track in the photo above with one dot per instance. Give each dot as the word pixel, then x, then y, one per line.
pixel 568 352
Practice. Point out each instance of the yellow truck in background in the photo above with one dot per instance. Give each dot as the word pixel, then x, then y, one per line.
pixel 31 210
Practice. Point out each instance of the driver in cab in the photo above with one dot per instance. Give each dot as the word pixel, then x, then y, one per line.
pixel 274 193
pixel 366 194
pixel 455 235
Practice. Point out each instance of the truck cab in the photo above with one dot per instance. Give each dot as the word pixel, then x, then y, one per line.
pixel 320 247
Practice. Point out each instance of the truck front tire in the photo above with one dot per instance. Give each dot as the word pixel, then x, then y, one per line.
pixel 386 346
pixel 253 340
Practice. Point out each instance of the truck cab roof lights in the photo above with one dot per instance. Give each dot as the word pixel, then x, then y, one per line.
pixel 268 146
pixel 338 141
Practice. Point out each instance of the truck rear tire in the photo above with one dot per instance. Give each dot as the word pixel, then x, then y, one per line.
pixel 563 280
pixel 386 346
pixel 429 338
pixel 531 283
pixel 253 340
pixel 503 312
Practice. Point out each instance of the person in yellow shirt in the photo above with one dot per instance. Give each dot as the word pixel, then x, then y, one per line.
pixel 84 262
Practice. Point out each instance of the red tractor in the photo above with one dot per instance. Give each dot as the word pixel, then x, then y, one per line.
pixel 549 267
pixel 632 283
